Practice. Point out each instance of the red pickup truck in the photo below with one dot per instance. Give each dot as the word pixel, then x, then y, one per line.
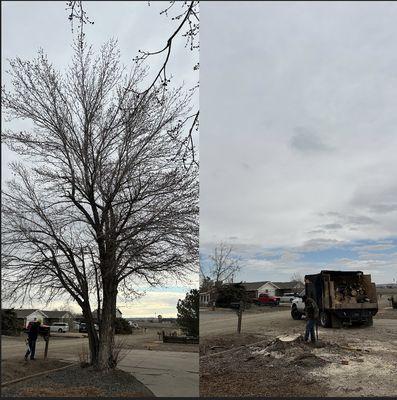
pixel 265 299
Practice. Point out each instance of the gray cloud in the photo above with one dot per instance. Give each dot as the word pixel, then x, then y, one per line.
pixel 307 142
pixel 332 226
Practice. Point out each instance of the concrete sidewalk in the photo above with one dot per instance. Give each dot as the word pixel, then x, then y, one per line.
pixel 165 373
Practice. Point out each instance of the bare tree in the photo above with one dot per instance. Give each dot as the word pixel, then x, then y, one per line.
pixel 105 200
pixel 224 266
pixel 297 277
pixel 187 17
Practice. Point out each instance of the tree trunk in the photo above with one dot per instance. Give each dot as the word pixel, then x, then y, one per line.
pixel 93 339
pixel 106 356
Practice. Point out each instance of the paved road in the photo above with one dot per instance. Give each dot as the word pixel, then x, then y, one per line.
pixel 165 373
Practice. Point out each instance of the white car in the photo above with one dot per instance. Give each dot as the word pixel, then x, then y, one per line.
pixel 288 297
pixel 60 327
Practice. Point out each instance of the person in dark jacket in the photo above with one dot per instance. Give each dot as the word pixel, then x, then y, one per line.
pixel 311 312
pixel 33 333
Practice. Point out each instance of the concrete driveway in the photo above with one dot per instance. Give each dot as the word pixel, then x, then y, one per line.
pixel 165 373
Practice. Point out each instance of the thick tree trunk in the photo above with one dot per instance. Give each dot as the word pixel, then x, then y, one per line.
pixel 106 356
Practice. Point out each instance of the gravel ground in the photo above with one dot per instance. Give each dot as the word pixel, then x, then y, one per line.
pixel 353 361
pixel 79 382
pixel 211 345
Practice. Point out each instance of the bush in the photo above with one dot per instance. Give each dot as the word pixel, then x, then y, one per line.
pixel 230 293
pixel 9 323
pixel 188 313
pixel 122 327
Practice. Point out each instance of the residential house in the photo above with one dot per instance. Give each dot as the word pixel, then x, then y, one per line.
pixel 254 289
pixel 59 316
pixel 208 298
pixel 288 287
pixel 119 314
pixel 26 315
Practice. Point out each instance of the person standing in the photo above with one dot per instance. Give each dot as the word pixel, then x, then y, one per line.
pixel 33 332
pixel 311 312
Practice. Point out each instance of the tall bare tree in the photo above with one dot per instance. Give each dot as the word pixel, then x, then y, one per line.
pixel 224 265
pixel 185 16
pixel 105 199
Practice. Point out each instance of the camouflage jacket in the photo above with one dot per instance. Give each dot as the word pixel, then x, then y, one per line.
pixel 311 309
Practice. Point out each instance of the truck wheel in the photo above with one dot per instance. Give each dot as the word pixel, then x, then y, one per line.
pixel 325 320
pixel 295 314
pixel 60 330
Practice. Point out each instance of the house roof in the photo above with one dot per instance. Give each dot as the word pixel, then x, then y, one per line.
pixel 95 311
pixel 25 312
pixel 279 285
pixel 57 314
pixel 288 285
pixel 254 285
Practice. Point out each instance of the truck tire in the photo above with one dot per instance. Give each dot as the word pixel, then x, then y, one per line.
pixel 295 314
pixel 60 330
pixel 325 320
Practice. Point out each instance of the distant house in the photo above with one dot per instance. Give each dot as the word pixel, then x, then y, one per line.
pixel 119 314
pixel 80 317
pixel 208 297
pixel 288 287
pixel 59 316
pixel 25 315
pixel 254 289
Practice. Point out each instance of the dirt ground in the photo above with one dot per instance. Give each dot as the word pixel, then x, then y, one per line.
pixel 353 361
pixel 74 382
pixel 18 368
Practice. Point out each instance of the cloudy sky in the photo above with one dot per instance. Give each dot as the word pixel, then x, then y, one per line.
pixel 298 136
pixel 27 26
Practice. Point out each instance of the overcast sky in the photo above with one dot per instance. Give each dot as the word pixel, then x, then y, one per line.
pixel 298 136
pixel 29 25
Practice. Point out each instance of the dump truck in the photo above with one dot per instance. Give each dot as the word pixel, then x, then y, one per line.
pixel 343 297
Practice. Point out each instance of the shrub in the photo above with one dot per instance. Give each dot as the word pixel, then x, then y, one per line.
pixel 9 323
pixel 188 313
pixel 122 327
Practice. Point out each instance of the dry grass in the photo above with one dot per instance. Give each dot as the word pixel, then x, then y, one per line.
pixel 82 391
pixel 120 350
pixel 130 394
pixel 15 368
pixel 84 357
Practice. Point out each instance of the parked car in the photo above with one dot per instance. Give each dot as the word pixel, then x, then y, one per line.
pixel 83 327
pixel 288 297
pixel 133 325
pixel 61 327
pixel 265 299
